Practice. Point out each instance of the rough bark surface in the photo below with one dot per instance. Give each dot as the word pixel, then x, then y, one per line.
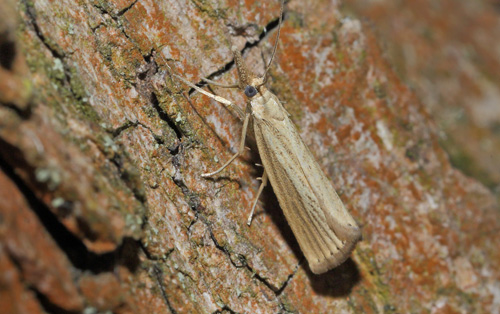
pixel 103 206
pixel 453 63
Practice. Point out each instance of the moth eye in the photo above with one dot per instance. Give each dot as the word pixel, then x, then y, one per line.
pixel 250 91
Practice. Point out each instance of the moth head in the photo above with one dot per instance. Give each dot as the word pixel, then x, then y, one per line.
pixel 253 87
pixel 251 83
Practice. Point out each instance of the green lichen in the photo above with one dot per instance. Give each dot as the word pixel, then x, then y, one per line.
pixel 287 306
pixel 374 273
pixel 57 202
pixel 106 6
pixel 64 89
pixel 207 8
pixel 49 176
pixel 379 90
pixel 466 300
pixel 461 160
pixel 295 19
pixel 90 310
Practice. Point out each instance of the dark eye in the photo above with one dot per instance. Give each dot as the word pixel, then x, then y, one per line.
pixel 250 91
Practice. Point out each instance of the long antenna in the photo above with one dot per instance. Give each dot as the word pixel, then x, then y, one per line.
pixel 276 42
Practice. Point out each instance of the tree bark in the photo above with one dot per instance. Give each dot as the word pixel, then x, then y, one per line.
pixel 101 151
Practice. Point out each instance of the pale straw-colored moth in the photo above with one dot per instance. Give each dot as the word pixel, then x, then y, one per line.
pixel 326 232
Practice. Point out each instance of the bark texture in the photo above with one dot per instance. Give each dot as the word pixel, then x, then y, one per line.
pixel 103 206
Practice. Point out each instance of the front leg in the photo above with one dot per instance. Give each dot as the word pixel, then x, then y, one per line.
pixel 240 151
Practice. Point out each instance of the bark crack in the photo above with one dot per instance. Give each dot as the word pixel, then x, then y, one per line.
pixel 66 80
pixel 273 24
pixel 277 290
pixel 147 84
pixel 116 17
pixel 124 10
pixel 159 275
pixel 287 281
pixel 47 305
pixel 24 114
pixel 31 14
pixel 72 246
pixel 130 124
pixel 165 117
pixel 225 309
pixel 125 126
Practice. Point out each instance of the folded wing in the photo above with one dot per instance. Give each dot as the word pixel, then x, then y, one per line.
pixel 324 229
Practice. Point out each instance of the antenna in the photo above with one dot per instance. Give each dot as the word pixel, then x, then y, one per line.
pixel 275 43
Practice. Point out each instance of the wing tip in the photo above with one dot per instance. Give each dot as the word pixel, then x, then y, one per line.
pixel 327 263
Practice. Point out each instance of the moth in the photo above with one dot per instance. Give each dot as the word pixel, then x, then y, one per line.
pixel 324 229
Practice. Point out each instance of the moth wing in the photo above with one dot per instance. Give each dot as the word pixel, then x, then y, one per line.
pixel 324 229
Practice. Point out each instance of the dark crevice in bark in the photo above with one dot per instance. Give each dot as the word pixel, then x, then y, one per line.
pixel 67 82
pixel 196 218
pixel 128 172
pixel 56 51
pixel 262 279
pixel 115 17
pixel 192 198
pixel 217 245
pixel 164 116
pixel 180 183
pixel 159 275
pixel 287 281
pixel 225 309
pixel 124 10
pixel 277 291
pixel 158 139
pixel 272 25
pixel 8 51
pixel 106 8
pixel 147 71
pixel 130 176
pixel 129 124
pixel 125 126
pixel 145 86
pixel 48 306
pixel 164 257
pixel 194 203
pixel 145 78
pixel 24 114
pixel 175 150
pixel 30 12
pixel 75 250
pixel 226 68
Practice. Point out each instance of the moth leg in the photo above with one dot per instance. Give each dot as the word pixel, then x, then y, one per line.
pixel 219 99
pixel 240 151
pixel 259 192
